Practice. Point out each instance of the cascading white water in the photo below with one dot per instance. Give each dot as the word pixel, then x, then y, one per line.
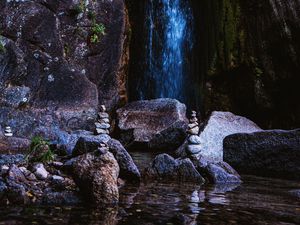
pixel 169 41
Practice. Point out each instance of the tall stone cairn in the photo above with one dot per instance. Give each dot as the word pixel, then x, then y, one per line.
pixel 194 141
pixel 103 124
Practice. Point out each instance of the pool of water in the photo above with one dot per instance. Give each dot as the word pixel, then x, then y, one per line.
pixel 256 201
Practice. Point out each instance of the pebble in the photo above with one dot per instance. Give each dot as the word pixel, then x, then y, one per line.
pixel 31 177
pixel 57 178
pixel 40 171
pixel 57 164
pixel 25 171
pixel 4 169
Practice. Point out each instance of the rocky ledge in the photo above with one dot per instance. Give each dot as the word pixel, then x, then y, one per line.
pixel 92 174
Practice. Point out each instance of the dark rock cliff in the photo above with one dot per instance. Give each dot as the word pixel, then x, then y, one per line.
pixel 249 59
pixel 59 60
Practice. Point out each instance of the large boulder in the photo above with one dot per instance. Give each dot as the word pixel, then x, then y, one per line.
pixel 128 169
pixel 218 126
pixel 158 124
pixel 165 167
pixel 52 74
pixel 269 153
pixel 216 172
pixel 97 178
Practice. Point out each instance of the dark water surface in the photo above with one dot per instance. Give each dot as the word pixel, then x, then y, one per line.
pixel 256 201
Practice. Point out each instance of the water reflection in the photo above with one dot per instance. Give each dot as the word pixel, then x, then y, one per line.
pixel 256 201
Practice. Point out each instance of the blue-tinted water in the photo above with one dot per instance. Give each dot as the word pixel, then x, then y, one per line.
pixel 169 41
pixel 257 201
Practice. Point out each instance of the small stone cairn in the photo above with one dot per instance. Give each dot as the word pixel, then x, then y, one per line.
pixel 8 132
pixel 194 140
pixel 102 124
pixel 102 127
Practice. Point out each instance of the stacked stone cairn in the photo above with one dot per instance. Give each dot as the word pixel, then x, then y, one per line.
pixel 8 132
pixel 102 127
pixel 194 140
pixel 102 124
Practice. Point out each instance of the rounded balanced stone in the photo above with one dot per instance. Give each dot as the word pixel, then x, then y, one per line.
pixel 103 115
pixel 193 149
pixel 194 140
pixel 194 131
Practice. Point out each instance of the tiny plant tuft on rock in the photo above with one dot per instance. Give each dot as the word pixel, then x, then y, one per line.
pixel 39 151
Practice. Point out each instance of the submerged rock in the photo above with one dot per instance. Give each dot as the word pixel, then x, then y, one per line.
pixel 219 174
pixel 167 168
pixel 155 124
pixel 97 178
pixel 220 125
pixel 128 169
pixel 273 153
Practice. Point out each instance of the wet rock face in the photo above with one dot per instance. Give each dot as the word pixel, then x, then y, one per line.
pixel 51 70
pixel 274 153
pixel 159 124
pixel 96 177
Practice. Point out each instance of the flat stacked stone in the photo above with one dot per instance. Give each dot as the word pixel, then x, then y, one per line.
pixel 8 132
pixel 194 140
pixel 103 123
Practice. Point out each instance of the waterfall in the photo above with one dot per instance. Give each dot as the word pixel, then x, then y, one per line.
pixel 168 29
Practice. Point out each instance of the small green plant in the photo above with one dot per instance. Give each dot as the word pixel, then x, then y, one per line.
pixel 39 151
pixel 98 30
pixel 2 47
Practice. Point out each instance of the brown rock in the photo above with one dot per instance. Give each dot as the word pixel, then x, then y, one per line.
pixel 97 178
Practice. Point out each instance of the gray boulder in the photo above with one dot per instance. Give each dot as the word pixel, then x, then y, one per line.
pixel 155 124
pixel 167 168
pixel 273 153
pixel 220 125
pixel 216 172
pixel 128 169
pixel 219 174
